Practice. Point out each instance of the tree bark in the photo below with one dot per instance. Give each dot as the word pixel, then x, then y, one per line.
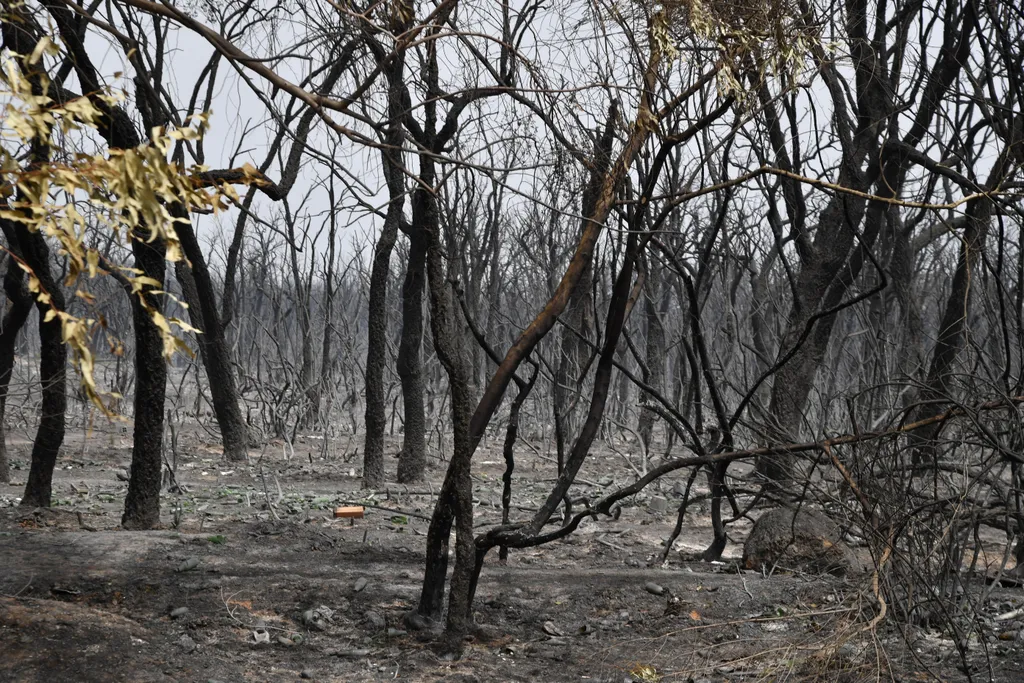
pixel 216 356
pixel 377 321
pixel 954 325
pixel 142 504
pixel 52 375
pixel 18 309
pixel 654 376
pixel 412 461
pixel 831 264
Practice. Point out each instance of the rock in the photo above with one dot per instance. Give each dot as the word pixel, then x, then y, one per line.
pixel 360 584
pixel 606 480
pixel 376 619
pixel 415 621
pixel 122 475
pixel 806 540
pixel 396 633
pixel 179 612
pixel 550 629
pixel 286 641
pixel 187 644
pixel 305 674
pixel 318 618
pixel 460 678
pixel 658 504
pixel 653 588
pixel 188 565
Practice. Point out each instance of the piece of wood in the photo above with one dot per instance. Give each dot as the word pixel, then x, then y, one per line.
pixel 349 512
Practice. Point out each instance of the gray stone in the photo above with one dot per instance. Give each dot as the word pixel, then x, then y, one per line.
pixel 286 641
pixel 305 674
pixel 187 644
pixel 550 629
pixel 658 504
pixel 188 565
pixel 805 540
pixel 653 588
pixel 179 612
pixel 360 584
pixel 376 619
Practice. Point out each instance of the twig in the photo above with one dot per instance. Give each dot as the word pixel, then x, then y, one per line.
pixel 1012 614
pixel 266 494
pixel 23 588
pixel 743 580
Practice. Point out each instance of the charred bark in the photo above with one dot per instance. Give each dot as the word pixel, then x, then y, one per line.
pixel 18 308
pixel 412 461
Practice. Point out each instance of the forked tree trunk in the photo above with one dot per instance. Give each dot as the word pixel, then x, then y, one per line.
pixel 456 497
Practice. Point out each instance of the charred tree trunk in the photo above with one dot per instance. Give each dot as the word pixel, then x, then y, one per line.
pixel 380 274
pixel 21 36
pixel 215 353
pixel 831 263
pixel 413 459
pixel 18 308
pixel 52 374
pixel 954 325
pixel 142 504
pixel 456 496
pixel 654 372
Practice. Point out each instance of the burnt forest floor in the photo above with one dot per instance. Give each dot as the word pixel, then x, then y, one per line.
pixel 83 600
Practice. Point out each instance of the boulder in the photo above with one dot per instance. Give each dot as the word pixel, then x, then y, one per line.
pixel 803 539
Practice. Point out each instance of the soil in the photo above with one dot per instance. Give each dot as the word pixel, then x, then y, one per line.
pixel 83 600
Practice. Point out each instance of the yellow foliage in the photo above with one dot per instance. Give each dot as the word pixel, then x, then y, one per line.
pixel 128 192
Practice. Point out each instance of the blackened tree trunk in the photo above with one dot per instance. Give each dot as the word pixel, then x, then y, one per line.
pixel 580 313
pixel 52 375
pixel 18 308
pixel 953 328
pixel 377 321
pixel 412 461
pixel 142 504
pixel 21 36
pixel 376 355
pixel 654 372
pixel 456 497
pixel 323 384
pixel 216 354
pixel 832 262
pixel 579 317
